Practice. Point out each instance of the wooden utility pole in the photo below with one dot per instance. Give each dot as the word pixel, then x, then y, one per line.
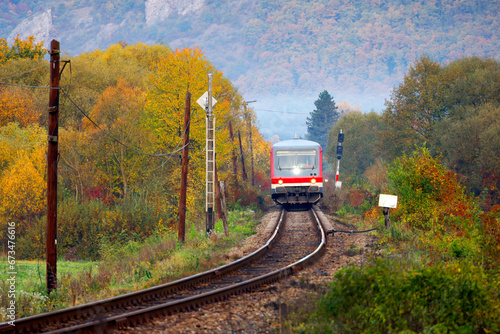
pixel 223 212
pixel 387 217
pixel 184 173
pixel 249 124
pixel 244 172
pixel 52 152
pixel 217 194
pixel 233 155
pixel 221 201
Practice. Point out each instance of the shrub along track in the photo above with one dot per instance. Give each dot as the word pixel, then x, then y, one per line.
pixel 296 242
pixel 273 307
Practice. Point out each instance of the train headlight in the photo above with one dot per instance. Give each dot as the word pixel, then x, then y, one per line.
pixel 280 181
pixel 296 170
pixel 313 181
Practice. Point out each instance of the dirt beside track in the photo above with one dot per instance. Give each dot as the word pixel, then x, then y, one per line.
pixel 264 311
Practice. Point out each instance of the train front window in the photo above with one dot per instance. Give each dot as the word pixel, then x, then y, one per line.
pixel 303 159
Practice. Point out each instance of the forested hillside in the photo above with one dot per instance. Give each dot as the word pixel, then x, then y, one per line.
pixel 356 49
pixel 435 146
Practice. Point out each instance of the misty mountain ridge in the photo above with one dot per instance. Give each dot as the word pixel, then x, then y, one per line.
pixel 280 53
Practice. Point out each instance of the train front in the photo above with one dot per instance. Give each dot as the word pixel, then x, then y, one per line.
pixel 296 172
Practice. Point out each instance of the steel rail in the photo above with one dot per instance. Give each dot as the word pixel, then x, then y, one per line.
pixel 191 303
pixel 31 324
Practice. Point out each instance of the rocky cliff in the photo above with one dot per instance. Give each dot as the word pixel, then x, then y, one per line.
pixel 158 10
pixel 38 25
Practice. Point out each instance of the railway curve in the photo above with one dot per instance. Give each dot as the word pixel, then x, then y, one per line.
pixel 296 242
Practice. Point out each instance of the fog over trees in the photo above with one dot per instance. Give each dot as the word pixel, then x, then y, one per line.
pixel 280 53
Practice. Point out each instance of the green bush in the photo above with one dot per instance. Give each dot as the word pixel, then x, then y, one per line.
pixel 385 298
pixel 84 225
pixel 31 238
pixel 429 196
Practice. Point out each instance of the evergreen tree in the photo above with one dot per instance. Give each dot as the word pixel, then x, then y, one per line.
pixel 322 119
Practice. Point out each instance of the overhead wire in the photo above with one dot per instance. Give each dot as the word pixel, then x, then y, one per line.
pixel 282 112
pixel 19 74
pixel 170 154
pixel 170 157
pixel 27 86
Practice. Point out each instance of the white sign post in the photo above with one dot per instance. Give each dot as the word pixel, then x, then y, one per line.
pixel 387 202
pixel 203 101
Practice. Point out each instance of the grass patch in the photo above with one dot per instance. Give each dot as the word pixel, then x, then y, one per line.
pixel 126 266
pixel 31 274
pixel 416 281
pixel 30 285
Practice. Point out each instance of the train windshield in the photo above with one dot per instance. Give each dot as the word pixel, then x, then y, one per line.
pixel 303 159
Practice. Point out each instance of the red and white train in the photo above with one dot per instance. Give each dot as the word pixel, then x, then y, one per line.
pixel 296 172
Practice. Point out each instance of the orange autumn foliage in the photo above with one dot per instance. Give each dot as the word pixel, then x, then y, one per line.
pixel 16 106
pixel 22 172
pixel 22 191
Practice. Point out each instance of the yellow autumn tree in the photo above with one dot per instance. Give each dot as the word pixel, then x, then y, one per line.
pixel 118 114
pixel 187 70
pixel 93 72
pixel 21 49
pixel 14 139
pixel 16 106
pixel 22 172
pixel 258 149
pixel 261 151
pixel 77 162
pixel 22 187
pixel 21 63
pixel 4 49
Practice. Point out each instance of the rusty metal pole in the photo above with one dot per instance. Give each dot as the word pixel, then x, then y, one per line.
pixel 52 152
pixel 184 173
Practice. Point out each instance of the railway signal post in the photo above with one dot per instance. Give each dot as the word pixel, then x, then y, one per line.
pixel 206 101
pixel 340 149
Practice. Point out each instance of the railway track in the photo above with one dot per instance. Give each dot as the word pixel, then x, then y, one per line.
pixel 297 240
